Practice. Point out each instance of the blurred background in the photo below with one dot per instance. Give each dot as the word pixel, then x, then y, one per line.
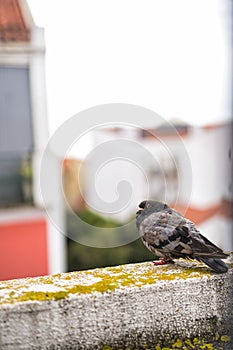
pixel 58 58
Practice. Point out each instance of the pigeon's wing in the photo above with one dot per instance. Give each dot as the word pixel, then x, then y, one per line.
pixel 202 247
pixel 180 242
pixel 191 242
pixel 169 233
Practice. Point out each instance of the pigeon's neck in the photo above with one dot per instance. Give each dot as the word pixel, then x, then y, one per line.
pixel 140 216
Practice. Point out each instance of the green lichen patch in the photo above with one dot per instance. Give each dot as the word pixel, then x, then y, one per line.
pixel 100 280
pixel 182 344
pixel 216 342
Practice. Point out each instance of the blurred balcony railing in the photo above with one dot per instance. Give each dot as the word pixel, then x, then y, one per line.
pixel 16 179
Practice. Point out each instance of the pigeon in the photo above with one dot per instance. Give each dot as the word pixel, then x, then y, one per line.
pixel 169 235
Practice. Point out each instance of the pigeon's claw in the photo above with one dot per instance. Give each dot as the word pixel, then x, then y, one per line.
pixel 163 261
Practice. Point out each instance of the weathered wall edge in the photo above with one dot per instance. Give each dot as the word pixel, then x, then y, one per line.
pixel 132 306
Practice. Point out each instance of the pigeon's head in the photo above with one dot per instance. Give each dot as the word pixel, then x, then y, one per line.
pixel 147 208
pixel 151 206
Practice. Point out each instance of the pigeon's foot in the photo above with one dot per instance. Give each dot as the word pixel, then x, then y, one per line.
pixel 163 261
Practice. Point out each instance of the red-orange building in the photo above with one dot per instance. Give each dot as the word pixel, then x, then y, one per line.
pixel 29 244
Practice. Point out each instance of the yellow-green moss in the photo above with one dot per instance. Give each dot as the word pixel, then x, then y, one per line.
pixel 225 338
pixel 183 344
pixel 178 344
pixel 98 280
pixel 189 344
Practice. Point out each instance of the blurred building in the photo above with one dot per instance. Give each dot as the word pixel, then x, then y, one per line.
pixel 193 175
pixel 211 207
pixel 29 244
pixel 73 184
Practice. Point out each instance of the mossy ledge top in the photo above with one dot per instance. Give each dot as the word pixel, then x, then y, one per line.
pixel 100 280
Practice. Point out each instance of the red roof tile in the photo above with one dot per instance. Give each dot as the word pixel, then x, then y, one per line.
pixel 209 127
pixel 198 215
pixel 12 24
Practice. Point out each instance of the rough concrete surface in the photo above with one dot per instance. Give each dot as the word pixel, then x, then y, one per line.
pixel 136 306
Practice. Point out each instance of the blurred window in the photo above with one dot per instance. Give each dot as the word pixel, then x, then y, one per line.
pixel 15 180
pixel 16 137
pixel 164 180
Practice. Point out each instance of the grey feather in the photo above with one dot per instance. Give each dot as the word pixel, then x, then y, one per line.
pixel 168 234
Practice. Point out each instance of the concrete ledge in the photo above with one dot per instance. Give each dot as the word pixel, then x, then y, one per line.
pixel 136 306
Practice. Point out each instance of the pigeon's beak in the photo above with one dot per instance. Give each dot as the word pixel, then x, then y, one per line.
pixel 138 212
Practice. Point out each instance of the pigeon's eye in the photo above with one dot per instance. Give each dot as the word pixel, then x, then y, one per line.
pixel 148 205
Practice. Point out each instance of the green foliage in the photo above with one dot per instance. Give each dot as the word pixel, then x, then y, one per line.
pixel 96 220
pixel 82 257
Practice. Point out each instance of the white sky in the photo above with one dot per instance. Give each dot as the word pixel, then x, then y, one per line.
pixel 172 56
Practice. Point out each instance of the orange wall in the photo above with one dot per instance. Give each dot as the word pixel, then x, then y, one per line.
pixel 23 249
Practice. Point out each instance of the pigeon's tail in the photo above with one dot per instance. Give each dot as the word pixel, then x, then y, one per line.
pixel 216 264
